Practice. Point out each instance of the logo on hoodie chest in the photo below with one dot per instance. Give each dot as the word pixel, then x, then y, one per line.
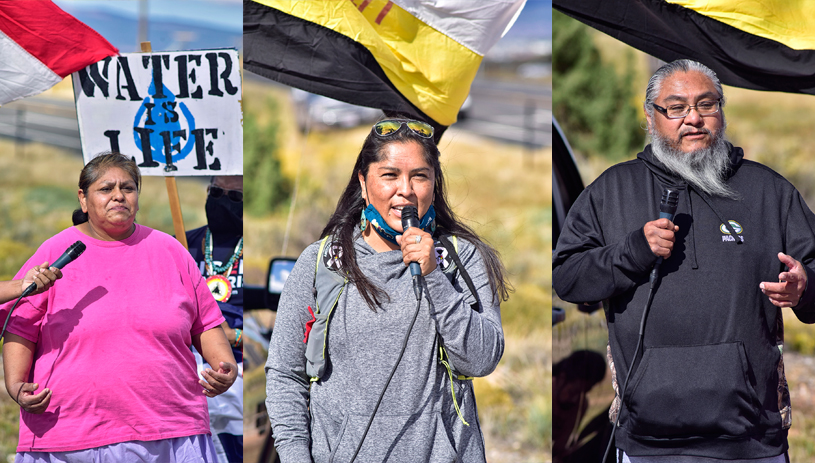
pixel 727 235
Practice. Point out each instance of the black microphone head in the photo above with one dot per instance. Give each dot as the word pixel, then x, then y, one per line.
pixel 670 199
pixel 76 249
pixel 410 217
pixel 69 255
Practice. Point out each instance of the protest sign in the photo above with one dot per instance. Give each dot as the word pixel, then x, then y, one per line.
pixel 175 113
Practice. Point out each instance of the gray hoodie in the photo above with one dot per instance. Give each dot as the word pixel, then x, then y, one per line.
pixel 416 422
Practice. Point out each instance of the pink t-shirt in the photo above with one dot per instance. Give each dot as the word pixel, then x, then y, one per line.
pixel 113 343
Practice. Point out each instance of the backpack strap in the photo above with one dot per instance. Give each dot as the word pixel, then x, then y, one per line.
pixel 328 286
pixel 452 249
pixel 450 243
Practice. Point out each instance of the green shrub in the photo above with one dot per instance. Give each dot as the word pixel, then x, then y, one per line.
pixel 261 163
pixel 592 103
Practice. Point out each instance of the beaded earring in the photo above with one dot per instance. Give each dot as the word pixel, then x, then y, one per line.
pixel 363 222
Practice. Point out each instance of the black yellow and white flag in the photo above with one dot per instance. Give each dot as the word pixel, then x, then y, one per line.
pixel 402 56
pixel 757 44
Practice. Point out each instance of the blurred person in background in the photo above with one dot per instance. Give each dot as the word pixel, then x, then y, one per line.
pixel 349 304
pixel 572 379
pixel 111 344
pixel 217 249
pixel 708 383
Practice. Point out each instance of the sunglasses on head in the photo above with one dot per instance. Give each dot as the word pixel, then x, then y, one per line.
pixel 390 127
pixel 234 195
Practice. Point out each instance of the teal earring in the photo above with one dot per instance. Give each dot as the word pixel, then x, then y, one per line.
pixel 363 222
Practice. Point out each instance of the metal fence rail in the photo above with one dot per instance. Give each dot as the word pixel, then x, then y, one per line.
pixel 514 112
pixel 41 120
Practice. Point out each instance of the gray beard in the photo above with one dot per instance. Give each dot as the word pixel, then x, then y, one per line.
pixel 705 169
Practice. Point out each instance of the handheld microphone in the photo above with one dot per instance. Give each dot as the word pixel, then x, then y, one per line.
pixel 667 210
pixel 410 218
pixel 67 257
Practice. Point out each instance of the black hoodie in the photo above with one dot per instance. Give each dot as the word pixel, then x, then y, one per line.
pixel 706 382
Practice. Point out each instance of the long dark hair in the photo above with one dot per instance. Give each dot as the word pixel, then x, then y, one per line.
pixel 96 168
pixel 344 222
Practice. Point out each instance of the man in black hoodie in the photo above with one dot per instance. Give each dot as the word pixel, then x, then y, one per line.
pixel 707 383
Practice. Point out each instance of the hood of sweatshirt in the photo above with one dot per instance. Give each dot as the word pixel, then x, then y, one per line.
pixel 687 192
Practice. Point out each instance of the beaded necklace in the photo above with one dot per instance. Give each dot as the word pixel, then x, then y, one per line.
pixel 217 280
pixel 213 269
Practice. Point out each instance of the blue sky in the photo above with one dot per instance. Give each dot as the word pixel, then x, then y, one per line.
pixel 172 24
pixel 228 14
pixel 201 24
pixel 223 14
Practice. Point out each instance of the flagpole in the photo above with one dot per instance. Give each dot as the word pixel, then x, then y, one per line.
pixel 172 188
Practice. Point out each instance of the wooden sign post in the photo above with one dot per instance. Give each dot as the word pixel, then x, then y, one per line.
pixel 172 189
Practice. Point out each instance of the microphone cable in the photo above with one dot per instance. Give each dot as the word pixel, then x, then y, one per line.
pixel 8 317
pixel 640 342
pixel 393 371
pixel 667 210
pixel 410 218
pixel 26 292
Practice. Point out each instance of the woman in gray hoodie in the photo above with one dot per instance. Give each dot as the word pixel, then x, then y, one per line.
pixel 358 369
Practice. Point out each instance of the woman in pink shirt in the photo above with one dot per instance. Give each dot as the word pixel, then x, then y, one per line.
pixel 101 364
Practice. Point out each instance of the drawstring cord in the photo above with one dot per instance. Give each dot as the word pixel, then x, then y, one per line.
pixel 738 239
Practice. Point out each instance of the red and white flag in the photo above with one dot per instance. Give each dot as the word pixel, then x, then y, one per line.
pixel 40 45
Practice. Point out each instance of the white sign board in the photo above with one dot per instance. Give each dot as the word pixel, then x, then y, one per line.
pixel 175 113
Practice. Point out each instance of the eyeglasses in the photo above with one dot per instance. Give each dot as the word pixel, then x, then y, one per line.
pixel 678 111
pixel 387 128
pixel 234 195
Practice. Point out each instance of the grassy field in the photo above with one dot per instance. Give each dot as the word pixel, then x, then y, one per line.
pixel 506 196
pixel 39 193
pixel 774 129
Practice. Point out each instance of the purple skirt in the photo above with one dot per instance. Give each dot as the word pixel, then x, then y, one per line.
pixel 190 449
